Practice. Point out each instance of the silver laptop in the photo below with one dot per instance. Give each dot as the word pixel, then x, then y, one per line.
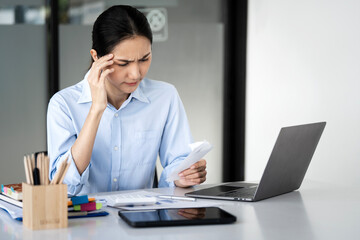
pixel 284 172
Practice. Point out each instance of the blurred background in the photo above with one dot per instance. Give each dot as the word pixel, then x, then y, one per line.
pixel 243 70
pixel 45 54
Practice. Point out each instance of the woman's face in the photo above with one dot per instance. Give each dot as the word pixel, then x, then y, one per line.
pixel 132 59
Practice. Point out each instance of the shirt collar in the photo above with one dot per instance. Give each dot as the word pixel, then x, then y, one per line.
pixel 139 95
pixel 86 93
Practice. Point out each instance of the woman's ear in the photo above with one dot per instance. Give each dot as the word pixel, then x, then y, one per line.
pixel 94 54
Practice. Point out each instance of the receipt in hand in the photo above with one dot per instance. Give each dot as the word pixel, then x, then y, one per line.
pixel 199 149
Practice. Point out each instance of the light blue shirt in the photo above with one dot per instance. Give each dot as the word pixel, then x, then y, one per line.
pixel 151 122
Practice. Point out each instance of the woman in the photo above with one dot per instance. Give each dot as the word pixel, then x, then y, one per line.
pixel 114 123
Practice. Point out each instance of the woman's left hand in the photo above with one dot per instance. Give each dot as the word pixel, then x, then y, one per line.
pixel 194 175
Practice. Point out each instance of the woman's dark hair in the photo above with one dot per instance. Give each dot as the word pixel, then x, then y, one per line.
pixel 116 24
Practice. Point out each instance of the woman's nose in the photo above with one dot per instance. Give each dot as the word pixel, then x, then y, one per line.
pixel 134 71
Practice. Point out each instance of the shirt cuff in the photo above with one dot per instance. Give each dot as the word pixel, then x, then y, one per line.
pixel 166 171
pixel 73 179
pixel 171 184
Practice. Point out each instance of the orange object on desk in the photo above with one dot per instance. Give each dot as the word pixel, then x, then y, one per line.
pixel 90 200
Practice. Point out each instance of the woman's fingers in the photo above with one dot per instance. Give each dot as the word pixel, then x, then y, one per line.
pixel 196 167
pixel 200 174
pixel 104 58
pixel 101 64
pixel 191 171
pixel 105 73
pixel 194 175
pixel 100 67
pixel 197 180
pixel 99 70
pixel 191 182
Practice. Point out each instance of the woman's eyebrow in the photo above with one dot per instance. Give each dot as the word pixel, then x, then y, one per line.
pixel 125 60
pixel 146 55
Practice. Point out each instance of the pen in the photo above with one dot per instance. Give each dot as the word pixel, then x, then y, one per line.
pixel 36 173
pixel 177 198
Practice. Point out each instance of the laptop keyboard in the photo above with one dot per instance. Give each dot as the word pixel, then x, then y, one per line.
pixel 243 192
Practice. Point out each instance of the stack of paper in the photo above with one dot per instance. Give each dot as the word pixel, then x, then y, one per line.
pixel 199 150
pixel 160 203
pixel 14 211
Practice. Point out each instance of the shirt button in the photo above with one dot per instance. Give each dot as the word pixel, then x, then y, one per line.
pixel 116 148
pixel 115 180
pixel 116 115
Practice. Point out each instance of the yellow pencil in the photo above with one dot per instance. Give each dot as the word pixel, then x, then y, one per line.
pixel 26 171
pixel 28 160
pixel 47 162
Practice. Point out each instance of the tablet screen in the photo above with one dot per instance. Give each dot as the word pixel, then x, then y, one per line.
pixel 173 217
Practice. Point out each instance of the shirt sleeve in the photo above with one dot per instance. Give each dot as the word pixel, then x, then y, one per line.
pixel 61 136
pixel 176 138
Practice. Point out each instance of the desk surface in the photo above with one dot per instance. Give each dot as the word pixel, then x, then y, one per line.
pixel 316 211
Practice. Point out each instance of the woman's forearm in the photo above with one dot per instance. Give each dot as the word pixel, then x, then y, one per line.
pixel 83 146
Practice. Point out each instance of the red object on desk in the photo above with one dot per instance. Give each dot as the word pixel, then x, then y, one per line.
pixel 91 206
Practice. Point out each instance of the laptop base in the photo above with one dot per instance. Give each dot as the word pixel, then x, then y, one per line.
pixel 237 191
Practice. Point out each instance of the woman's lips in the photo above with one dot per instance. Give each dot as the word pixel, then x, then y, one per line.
pixel 131 84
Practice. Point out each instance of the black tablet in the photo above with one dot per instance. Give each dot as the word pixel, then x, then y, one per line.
pixel 176 217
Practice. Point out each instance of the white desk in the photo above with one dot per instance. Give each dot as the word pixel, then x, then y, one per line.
pixel 317 211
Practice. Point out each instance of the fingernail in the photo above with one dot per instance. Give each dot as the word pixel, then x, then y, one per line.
pixel 110 55
pixel 192 167
pixel 181 174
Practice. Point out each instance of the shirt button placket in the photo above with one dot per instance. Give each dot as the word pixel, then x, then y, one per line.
pixel 115 141
pixel 119 151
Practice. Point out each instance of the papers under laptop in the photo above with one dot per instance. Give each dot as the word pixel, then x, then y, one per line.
pixel 284 171
pixel 147 200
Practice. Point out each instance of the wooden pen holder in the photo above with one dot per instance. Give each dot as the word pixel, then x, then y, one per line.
pixel 45 206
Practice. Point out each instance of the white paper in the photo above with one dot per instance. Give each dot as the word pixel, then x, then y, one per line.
pixel 199 150
pixel 14 211
pixel 127 197
pixel 170 203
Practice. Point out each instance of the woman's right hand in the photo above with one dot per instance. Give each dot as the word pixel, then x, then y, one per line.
pixel 98 72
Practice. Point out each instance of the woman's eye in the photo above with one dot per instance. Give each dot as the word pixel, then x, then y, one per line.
pixel 125 64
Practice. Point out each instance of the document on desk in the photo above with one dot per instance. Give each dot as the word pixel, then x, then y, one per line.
pixel 199 150
pixel 14 211
pixel 161 203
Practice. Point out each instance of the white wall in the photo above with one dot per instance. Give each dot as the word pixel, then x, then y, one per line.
pixel 304 66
